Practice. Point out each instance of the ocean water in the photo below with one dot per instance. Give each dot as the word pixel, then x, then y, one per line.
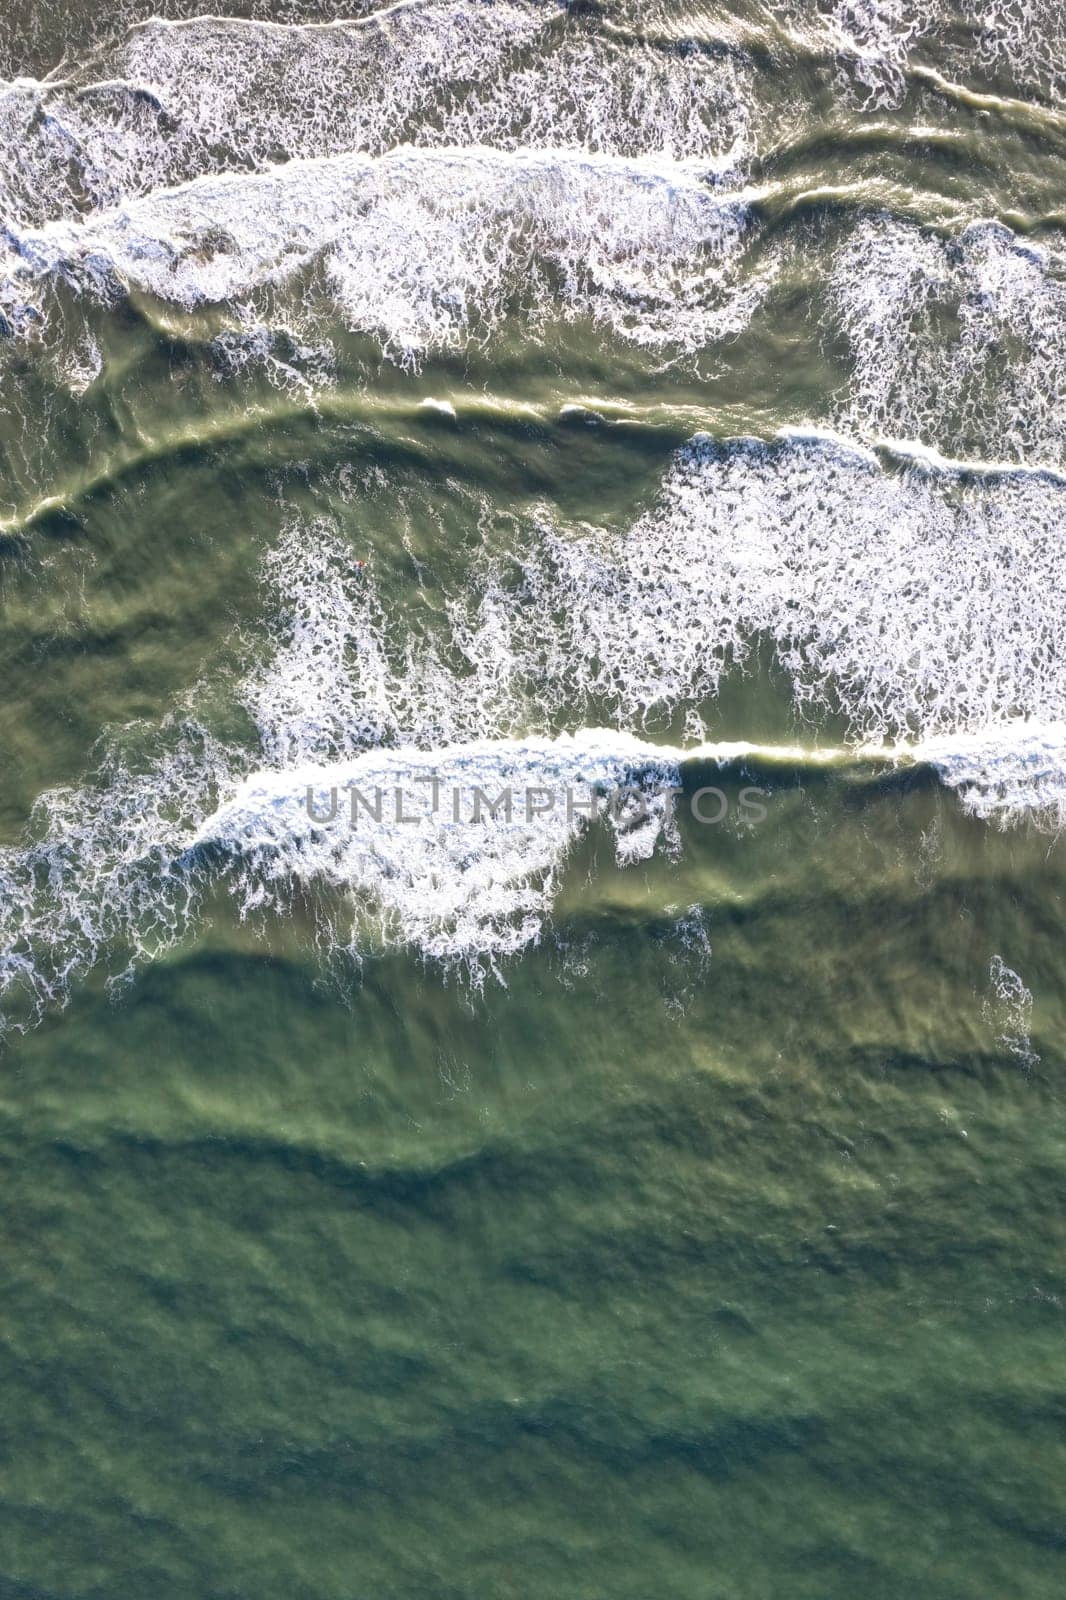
pixel 532 780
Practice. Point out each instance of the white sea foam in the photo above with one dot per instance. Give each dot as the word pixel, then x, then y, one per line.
pixel 688 107
pixel 103 869
pixel 124 864
pixel 873 40
pixel 165 102
pixel 282 351
pixel 922 605
pixel 334 682
pixel 1006 772
pixel 877 44
pixel 421 172
pixel 517 162
pixel 1008 1009
pixel 454 888
pixel 204 161
pixel 954 339
pixel 915 604
pixel 424 249
pixel 220 95
pixel 1027 40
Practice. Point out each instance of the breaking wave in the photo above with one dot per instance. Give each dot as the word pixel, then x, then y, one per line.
pixel 220 95
pixel 920 605
pixel 424 249
pixel 420 172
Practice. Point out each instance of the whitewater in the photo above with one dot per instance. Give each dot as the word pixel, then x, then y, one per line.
pixel 445 182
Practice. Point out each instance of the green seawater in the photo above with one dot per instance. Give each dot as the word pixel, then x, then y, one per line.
pixel 710 1247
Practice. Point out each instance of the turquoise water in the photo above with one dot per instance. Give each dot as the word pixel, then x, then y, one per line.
pixel 658 406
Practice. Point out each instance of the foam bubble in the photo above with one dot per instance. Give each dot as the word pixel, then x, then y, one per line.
pixel 218 95
pixel 958 339
pixel 333 684
pixel 103 869
pixel 923 606
pixel 912 603
pixel 293 363
pixel 1008 1009
pixel 638 101
pixel 1027 38
pixel 873 40
pixel 435 868
pixel 425 249
pixel 877 44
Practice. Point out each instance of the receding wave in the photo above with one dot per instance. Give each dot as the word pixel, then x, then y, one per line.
pixel 930 321
pixel 873 47
pixel 913 603
pixel 431 251
pixel 433 176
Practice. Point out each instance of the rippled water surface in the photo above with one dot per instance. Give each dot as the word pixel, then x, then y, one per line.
pixel 656 411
